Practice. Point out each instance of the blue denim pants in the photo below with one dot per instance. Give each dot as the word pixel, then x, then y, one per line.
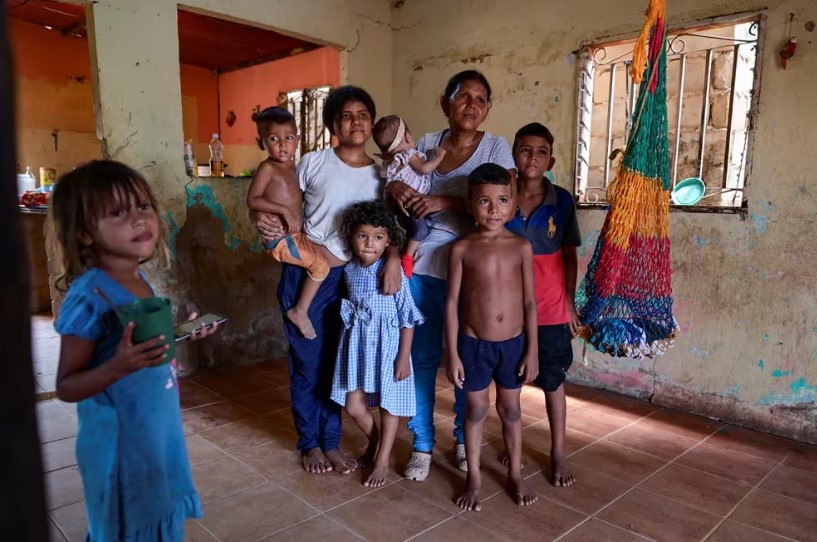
pixel 426 352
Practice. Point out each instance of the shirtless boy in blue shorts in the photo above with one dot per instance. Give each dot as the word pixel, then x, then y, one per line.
pixel 490 326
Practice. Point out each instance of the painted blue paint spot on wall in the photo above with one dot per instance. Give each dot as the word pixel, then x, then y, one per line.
pixel 777 373
pixel 203 195
pixel 800 392
pixel 765 337
pixel 761 364
pixel 234 243
pixel 800 385
pixel 734 391
pixel 700 242
pixel 700 352
pixel 761 222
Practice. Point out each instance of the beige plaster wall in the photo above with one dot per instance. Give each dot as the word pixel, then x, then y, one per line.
pixel 138 111
pixel 744 285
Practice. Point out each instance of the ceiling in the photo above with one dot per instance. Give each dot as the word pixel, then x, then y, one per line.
pixel 204 41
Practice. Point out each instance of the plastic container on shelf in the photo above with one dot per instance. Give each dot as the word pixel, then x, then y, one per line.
pixel 216 157
pixel 25 182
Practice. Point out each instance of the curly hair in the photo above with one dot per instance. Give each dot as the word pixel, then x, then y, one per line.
pixel 372 213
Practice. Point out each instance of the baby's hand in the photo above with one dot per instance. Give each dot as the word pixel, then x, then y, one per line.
pixel 456 372
pixel 293 222
pixel 402 370
pixel 131 357
pixel 439 152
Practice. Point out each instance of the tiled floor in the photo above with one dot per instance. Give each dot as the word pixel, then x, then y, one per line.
pixel 45 344
pixel 643 474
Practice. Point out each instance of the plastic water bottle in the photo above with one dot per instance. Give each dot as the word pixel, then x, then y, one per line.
pixel 216 157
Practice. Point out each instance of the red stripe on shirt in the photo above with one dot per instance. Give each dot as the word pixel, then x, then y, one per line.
pixel 549 280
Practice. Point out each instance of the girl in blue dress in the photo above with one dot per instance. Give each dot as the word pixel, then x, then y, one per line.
pixel 373 365
pixel 130 445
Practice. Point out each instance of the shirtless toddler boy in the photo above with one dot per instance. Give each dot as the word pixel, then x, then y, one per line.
pixel 490 326
pixel 274 190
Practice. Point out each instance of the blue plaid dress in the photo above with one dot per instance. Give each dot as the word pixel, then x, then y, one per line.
pixel 370 341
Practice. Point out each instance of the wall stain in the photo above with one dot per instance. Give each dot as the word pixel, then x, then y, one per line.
pixel 761 222
pixel 801 393
pixel 700 352
pixel 588 242
pixel 203 195
pixel 761 364
pixel 173 231
pixel 777 373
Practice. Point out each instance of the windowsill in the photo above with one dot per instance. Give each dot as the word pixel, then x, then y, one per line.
pixel 675 208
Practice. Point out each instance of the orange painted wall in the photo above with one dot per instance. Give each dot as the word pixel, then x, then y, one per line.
pixel 242 90
pixel 54 92
pixel 53 76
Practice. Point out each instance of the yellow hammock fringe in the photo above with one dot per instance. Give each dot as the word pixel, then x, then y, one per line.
pixel 657 9
pixel 638 206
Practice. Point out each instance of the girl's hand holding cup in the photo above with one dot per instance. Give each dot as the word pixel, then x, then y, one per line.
pixel 131 357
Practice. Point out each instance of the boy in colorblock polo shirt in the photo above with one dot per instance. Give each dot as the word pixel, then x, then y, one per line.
pixel 546 216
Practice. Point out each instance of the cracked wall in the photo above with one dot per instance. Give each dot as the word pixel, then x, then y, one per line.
pixel 217 264
pixel 743 285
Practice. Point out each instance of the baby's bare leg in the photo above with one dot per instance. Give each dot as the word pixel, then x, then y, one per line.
pixel 357 408
pixel 476 409
pixel 299 314
pixel 411 247
pixel 388 430
pixel 510 412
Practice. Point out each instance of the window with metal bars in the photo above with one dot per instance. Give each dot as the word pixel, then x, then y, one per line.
pixel 712 91
pixel 307 107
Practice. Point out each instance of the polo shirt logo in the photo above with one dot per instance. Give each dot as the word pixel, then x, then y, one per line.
pixel 551 228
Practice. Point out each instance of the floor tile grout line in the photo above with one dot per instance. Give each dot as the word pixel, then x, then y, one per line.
pixel 57 525
pixel 599 439
pixel 746 497
pixel 633 488
pixel 206 530
pixel 446 520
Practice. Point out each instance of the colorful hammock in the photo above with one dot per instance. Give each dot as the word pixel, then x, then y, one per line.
pixel 625 299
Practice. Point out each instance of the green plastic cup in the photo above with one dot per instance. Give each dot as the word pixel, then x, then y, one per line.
pixel 152 317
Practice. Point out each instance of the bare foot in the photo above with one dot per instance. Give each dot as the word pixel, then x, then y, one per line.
pixel 470 499
pixel 315 462
pixel 378 477
pixel 367 459
pixel 521 493
pixel 560 471
pixel 504 461
pixel 302 322
pixel 341 463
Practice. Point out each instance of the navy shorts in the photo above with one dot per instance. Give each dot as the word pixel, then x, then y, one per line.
pixel 555 356
pixel 484 361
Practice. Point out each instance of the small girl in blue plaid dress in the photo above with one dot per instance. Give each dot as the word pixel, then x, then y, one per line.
pixel 373 365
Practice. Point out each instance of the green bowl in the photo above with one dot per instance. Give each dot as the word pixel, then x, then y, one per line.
pixel 688 192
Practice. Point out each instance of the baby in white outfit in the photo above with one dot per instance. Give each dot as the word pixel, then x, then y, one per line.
pixel 402 162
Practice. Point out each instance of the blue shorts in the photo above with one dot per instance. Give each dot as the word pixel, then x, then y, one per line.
pixel 487 360
pixel 555 356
